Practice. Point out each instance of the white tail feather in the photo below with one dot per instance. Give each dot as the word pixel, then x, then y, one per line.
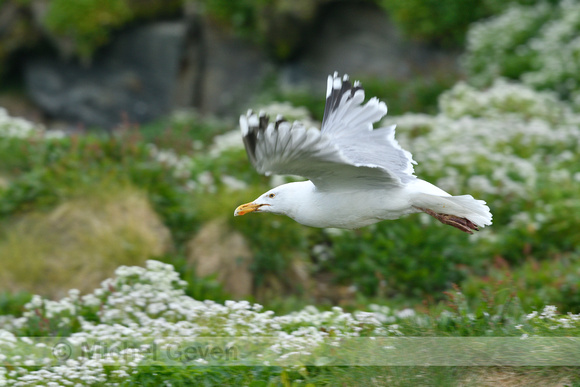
pixel 464 206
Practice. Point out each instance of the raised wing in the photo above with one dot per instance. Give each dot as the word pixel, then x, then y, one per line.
pixel 350 126
pixel 290 149
pixel 346 153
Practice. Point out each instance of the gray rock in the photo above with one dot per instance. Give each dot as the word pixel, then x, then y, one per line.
pixel 217 250
pixel 132 80
pixel 234 71
pixel 358 38
pixel 150 70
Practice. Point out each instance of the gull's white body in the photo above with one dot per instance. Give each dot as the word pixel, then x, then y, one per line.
pixel 355 209
pixel 358 175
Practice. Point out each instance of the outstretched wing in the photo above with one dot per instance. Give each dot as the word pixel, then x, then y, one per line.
pixel 341 155
pixel 350 125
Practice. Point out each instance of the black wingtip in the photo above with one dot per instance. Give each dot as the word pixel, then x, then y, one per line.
pixel 256 125
pixel 336 88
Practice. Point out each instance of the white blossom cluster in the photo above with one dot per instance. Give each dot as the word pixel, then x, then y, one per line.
pixel 556 50
pixel 538 44
pixel 495 142
pixel 491 41
pixel 550 318
pixel 183 167
pixel 180 165
pixel 231 140
pixel 141 304
pixel 503 99
pixel 15 127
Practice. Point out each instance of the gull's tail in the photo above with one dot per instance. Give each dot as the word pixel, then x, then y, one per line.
pixel 462 212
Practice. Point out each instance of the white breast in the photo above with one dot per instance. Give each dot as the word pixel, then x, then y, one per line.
pixel 349 209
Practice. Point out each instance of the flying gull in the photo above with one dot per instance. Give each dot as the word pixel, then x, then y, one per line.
pixel 358 175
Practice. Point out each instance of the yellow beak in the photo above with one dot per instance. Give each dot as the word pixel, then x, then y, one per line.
pixel 247 208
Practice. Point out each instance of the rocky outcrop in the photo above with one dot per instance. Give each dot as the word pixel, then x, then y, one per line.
pixel 132 80
pixel 196 62
pixel 233 72
pixel 217 250
pixel 358 38
pixel 81 242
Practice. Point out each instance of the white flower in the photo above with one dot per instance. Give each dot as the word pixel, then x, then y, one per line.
pixel 549 312
pixel 532 315
pixel 224 142
pixel 233 183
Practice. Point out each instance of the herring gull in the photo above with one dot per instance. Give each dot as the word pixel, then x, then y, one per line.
pixel 357 175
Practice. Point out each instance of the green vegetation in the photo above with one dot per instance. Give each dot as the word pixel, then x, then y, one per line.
pixel 524 165
pixel 537 45
pixel 86 23
pixel 89 203
pixel 419 95
pixel 81 241
pixel 79 28
pixel 118 323
pixel 445 22
pixel 436 21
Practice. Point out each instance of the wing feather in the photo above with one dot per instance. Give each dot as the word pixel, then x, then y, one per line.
pixel 347 152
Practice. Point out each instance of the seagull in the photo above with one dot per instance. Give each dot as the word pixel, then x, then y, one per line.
pixel 357 175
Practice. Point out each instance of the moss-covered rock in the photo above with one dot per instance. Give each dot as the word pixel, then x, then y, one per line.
pixel 80 242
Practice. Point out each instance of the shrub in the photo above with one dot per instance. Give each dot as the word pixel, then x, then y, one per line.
pixel 86 24
pixel 538 45
pixel 143 307
pixel 139 327
pixel 535 283
pixel 510 146
pixel 443 22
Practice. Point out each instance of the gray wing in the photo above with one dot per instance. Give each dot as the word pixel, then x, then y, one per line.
pixel 350 125
pixel 340 156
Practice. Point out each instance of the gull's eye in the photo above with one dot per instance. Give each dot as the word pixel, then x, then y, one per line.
pixel 271 196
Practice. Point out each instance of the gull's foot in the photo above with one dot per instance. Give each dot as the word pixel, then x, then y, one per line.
pixel 462 224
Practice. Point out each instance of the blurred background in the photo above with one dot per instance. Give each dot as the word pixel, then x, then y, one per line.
pixel 119 143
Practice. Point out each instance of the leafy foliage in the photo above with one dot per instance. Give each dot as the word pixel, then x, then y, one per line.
pixel 137 327
pixel 436 21
pixel 509 145
pixel 87 23
pixel 535 44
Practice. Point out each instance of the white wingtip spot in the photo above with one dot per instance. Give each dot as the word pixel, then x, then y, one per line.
pixel 253 120
pixel 345 77
pixel 358 96
pixel 328 86
pixel 336 83
pixel 383 107
pixel 244 125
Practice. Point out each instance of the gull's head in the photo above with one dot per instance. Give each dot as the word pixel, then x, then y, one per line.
pixel 280 200
pixel 271 201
